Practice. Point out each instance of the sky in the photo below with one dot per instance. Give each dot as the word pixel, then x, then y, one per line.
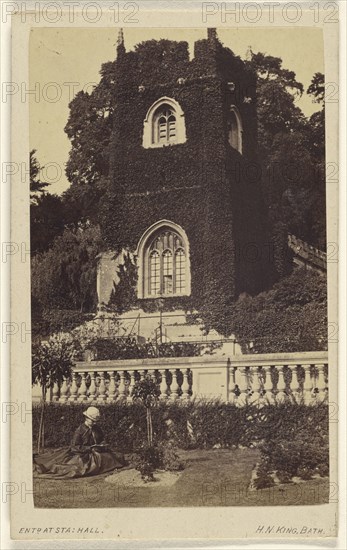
pixel 65 60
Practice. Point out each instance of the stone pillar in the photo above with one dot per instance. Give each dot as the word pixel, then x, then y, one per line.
pixel 174 386
pixel 321 385
pixel 122 390
pixel 185 385
pixel 255 385
pixel 242 382
pixel 73 388
pixel 92 388
pixel 64 392
pixel 131 386
pixel 102 388
pixel 281 395
pixel 112 390
pixel 268 386
pixel 295 386
pixel 307 385
pixel 55 392
pixel 163 385
pixel 82 390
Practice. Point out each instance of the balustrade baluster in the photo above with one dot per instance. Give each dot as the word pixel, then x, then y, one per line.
pixel 55 392
pixel 308 386
pixel 102 388
pixel 242 383
pixel 295 384
pixel 122 389
pixel 64 392
pixel 185 385
pixel 163 385
pixel 232 384
pixel 82 390
pixel 131 386
pixel 321 384
pixel 268 385
pixel 152 374
pixel 281 395
pixel 92 388
pixel 73 388
pixel 255 385
pixel 112 389
pixel 174 386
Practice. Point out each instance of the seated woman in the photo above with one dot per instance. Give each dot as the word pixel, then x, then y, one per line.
pixel 88 454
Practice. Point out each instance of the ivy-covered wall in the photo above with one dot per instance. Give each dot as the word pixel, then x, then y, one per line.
pixel 203 185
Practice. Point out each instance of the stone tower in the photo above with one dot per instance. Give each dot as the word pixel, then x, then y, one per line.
pixel 184 200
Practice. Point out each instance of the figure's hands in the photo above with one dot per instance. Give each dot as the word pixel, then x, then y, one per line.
pixel 100 447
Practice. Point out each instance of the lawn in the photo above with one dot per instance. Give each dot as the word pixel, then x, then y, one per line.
pixel 211 478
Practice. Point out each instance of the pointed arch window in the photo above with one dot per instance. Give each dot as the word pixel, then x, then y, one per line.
pixel 235 129
pixel 164 124
pixel 164 264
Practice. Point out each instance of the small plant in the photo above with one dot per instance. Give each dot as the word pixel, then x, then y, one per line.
pixel 284 476
pixel 147 460
pixel 305 472
pixel 170 459
pixel 263 479
pixel 323 469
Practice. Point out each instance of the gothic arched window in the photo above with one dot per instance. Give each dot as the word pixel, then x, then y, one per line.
pixel 164 124
pixel 235 129
pixel 163 262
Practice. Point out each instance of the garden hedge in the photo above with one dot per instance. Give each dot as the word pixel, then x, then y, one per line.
pixel 197 424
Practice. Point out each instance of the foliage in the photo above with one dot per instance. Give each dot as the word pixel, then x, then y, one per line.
pixel 129 348
pixel 161 457
pixel 51 362
pixel 47 214
pixel 46 322
pixel 292 316
pixel 299 448
pixel 147 460
pixel 317 87
pixel 292 151
pixel 89 130
pixel 37 186
pixel 197 424
pixel 47 221
pixel 146 391
pixel 123 295
pixel 64 276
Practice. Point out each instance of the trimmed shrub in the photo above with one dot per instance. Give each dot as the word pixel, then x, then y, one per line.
pixel 286 434
pixel 299 448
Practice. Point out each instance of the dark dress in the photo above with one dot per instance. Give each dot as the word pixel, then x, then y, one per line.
pixel 80 459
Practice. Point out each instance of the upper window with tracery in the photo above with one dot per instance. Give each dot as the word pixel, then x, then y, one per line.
pixel 164 124
pixel 164 264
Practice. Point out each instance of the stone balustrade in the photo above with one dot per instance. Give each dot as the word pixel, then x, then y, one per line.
pixel 306 254
pixel 259 379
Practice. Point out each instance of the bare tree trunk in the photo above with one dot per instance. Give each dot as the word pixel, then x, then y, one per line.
pixel 149 427
pixel 41 427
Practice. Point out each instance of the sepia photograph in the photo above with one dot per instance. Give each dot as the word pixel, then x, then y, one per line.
pixel 179 313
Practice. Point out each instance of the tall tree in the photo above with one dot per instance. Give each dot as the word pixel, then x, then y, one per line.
pixel 64 277
pixel 47 212
pixel 89 129
pixel 291 150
